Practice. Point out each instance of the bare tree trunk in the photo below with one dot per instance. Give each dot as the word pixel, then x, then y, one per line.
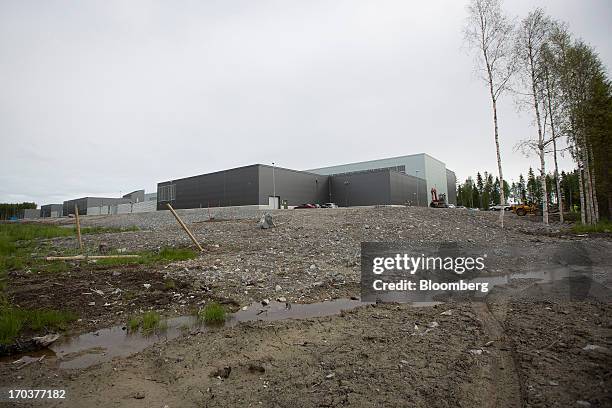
pixel 588 184
pixel 581 190
pixel 499 164
pixel 554 142
pixel 543 182
pixel 594 184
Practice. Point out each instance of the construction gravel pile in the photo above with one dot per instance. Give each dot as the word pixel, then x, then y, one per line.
pixel 314 254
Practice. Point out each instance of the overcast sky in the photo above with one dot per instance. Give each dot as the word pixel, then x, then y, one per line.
pixel 103 97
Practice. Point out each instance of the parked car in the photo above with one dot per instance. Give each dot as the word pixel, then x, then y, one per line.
pixel 499 207
pixel 329 205
pixel 297 207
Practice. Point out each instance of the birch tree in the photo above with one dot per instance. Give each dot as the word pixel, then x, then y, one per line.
pixel 489 34
pixel 532 36
pixel 552 106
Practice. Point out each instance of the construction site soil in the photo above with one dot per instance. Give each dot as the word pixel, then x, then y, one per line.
pixel 529 342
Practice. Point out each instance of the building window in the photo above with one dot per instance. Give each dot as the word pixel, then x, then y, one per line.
pixel 167 193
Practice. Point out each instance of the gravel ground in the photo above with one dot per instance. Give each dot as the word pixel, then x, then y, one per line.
pixel 531 337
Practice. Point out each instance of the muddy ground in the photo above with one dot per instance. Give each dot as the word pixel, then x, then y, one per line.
pixel 527 343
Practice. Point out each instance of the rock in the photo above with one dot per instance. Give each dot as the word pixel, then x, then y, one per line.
pixel 146 285
pixel 594 347
pixel 245 307
pixel 223 372
pixel 104 248
pixel 330 375
pixel 138 395
pixel 433 325
pixel 448 312
pixel 91 304
pixel 553 383
pixel 313 267
pixel 44 341
pixel 354 298
pixel 256 368
pixel 278 287
pixel 265 302
pixel 476 352
pixel 582 403
pixel 266 221
pixel 281 299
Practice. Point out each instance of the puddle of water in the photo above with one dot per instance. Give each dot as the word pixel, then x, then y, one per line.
pixel 105 344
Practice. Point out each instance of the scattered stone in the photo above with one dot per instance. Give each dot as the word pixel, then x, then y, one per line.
pixel 265 302
pixel 138 395
pixel 266 222
pixel 278 288
pixel 584 404
pixel 553 383
pixel 281 299
pixel 223 372
pixel 448 312
pixel 91 304
pixel 146 285
pixel 330 375
pixel 256 368
pixel 433 325
pixel 594 347
pixel 476 352
pixel 44 341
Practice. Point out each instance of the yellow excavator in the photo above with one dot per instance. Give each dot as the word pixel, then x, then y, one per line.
pixel 524 209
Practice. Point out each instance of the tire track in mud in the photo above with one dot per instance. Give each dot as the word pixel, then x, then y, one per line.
pixel 505 388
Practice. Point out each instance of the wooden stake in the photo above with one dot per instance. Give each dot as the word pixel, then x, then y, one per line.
pixel 78 226
pixel 85 257
pixel 185 227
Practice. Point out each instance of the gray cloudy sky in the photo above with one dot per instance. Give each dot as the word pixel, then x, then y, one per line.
pixel 98 97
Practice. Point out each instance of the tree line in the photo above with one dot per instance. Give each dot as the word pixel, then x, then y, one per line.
pixel 8 210
pixel 562 82
pixel 483 191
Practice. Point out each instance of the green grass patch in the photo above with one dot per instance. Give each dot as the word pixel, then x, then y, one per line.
pixel 603 226
pixel 13 321
pixel 212 313
pixel 147 323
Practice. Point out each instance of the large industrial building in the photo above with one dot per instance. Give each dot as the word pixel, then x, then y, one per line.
pixel 398 180
pixel 423 166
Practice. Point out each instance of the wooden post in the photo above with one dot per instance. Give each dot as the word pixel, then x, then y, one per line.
pixel 185 227
pixel 87 257
pixel 78 226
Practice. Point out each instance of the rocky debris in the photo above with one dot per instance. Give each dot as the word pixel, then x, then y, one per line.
pixel 138 395
pixel 256 368
pixel 266 221
pixel 45 341
pixel 595 347
pixel 223 372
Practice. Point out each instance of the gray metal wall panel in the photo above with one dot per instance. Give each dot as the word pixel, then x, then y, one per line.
pixel 47 210
pixel 451 186
pixel 296 187
pixel 232 187
pixel 361 188
pixel 403 190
